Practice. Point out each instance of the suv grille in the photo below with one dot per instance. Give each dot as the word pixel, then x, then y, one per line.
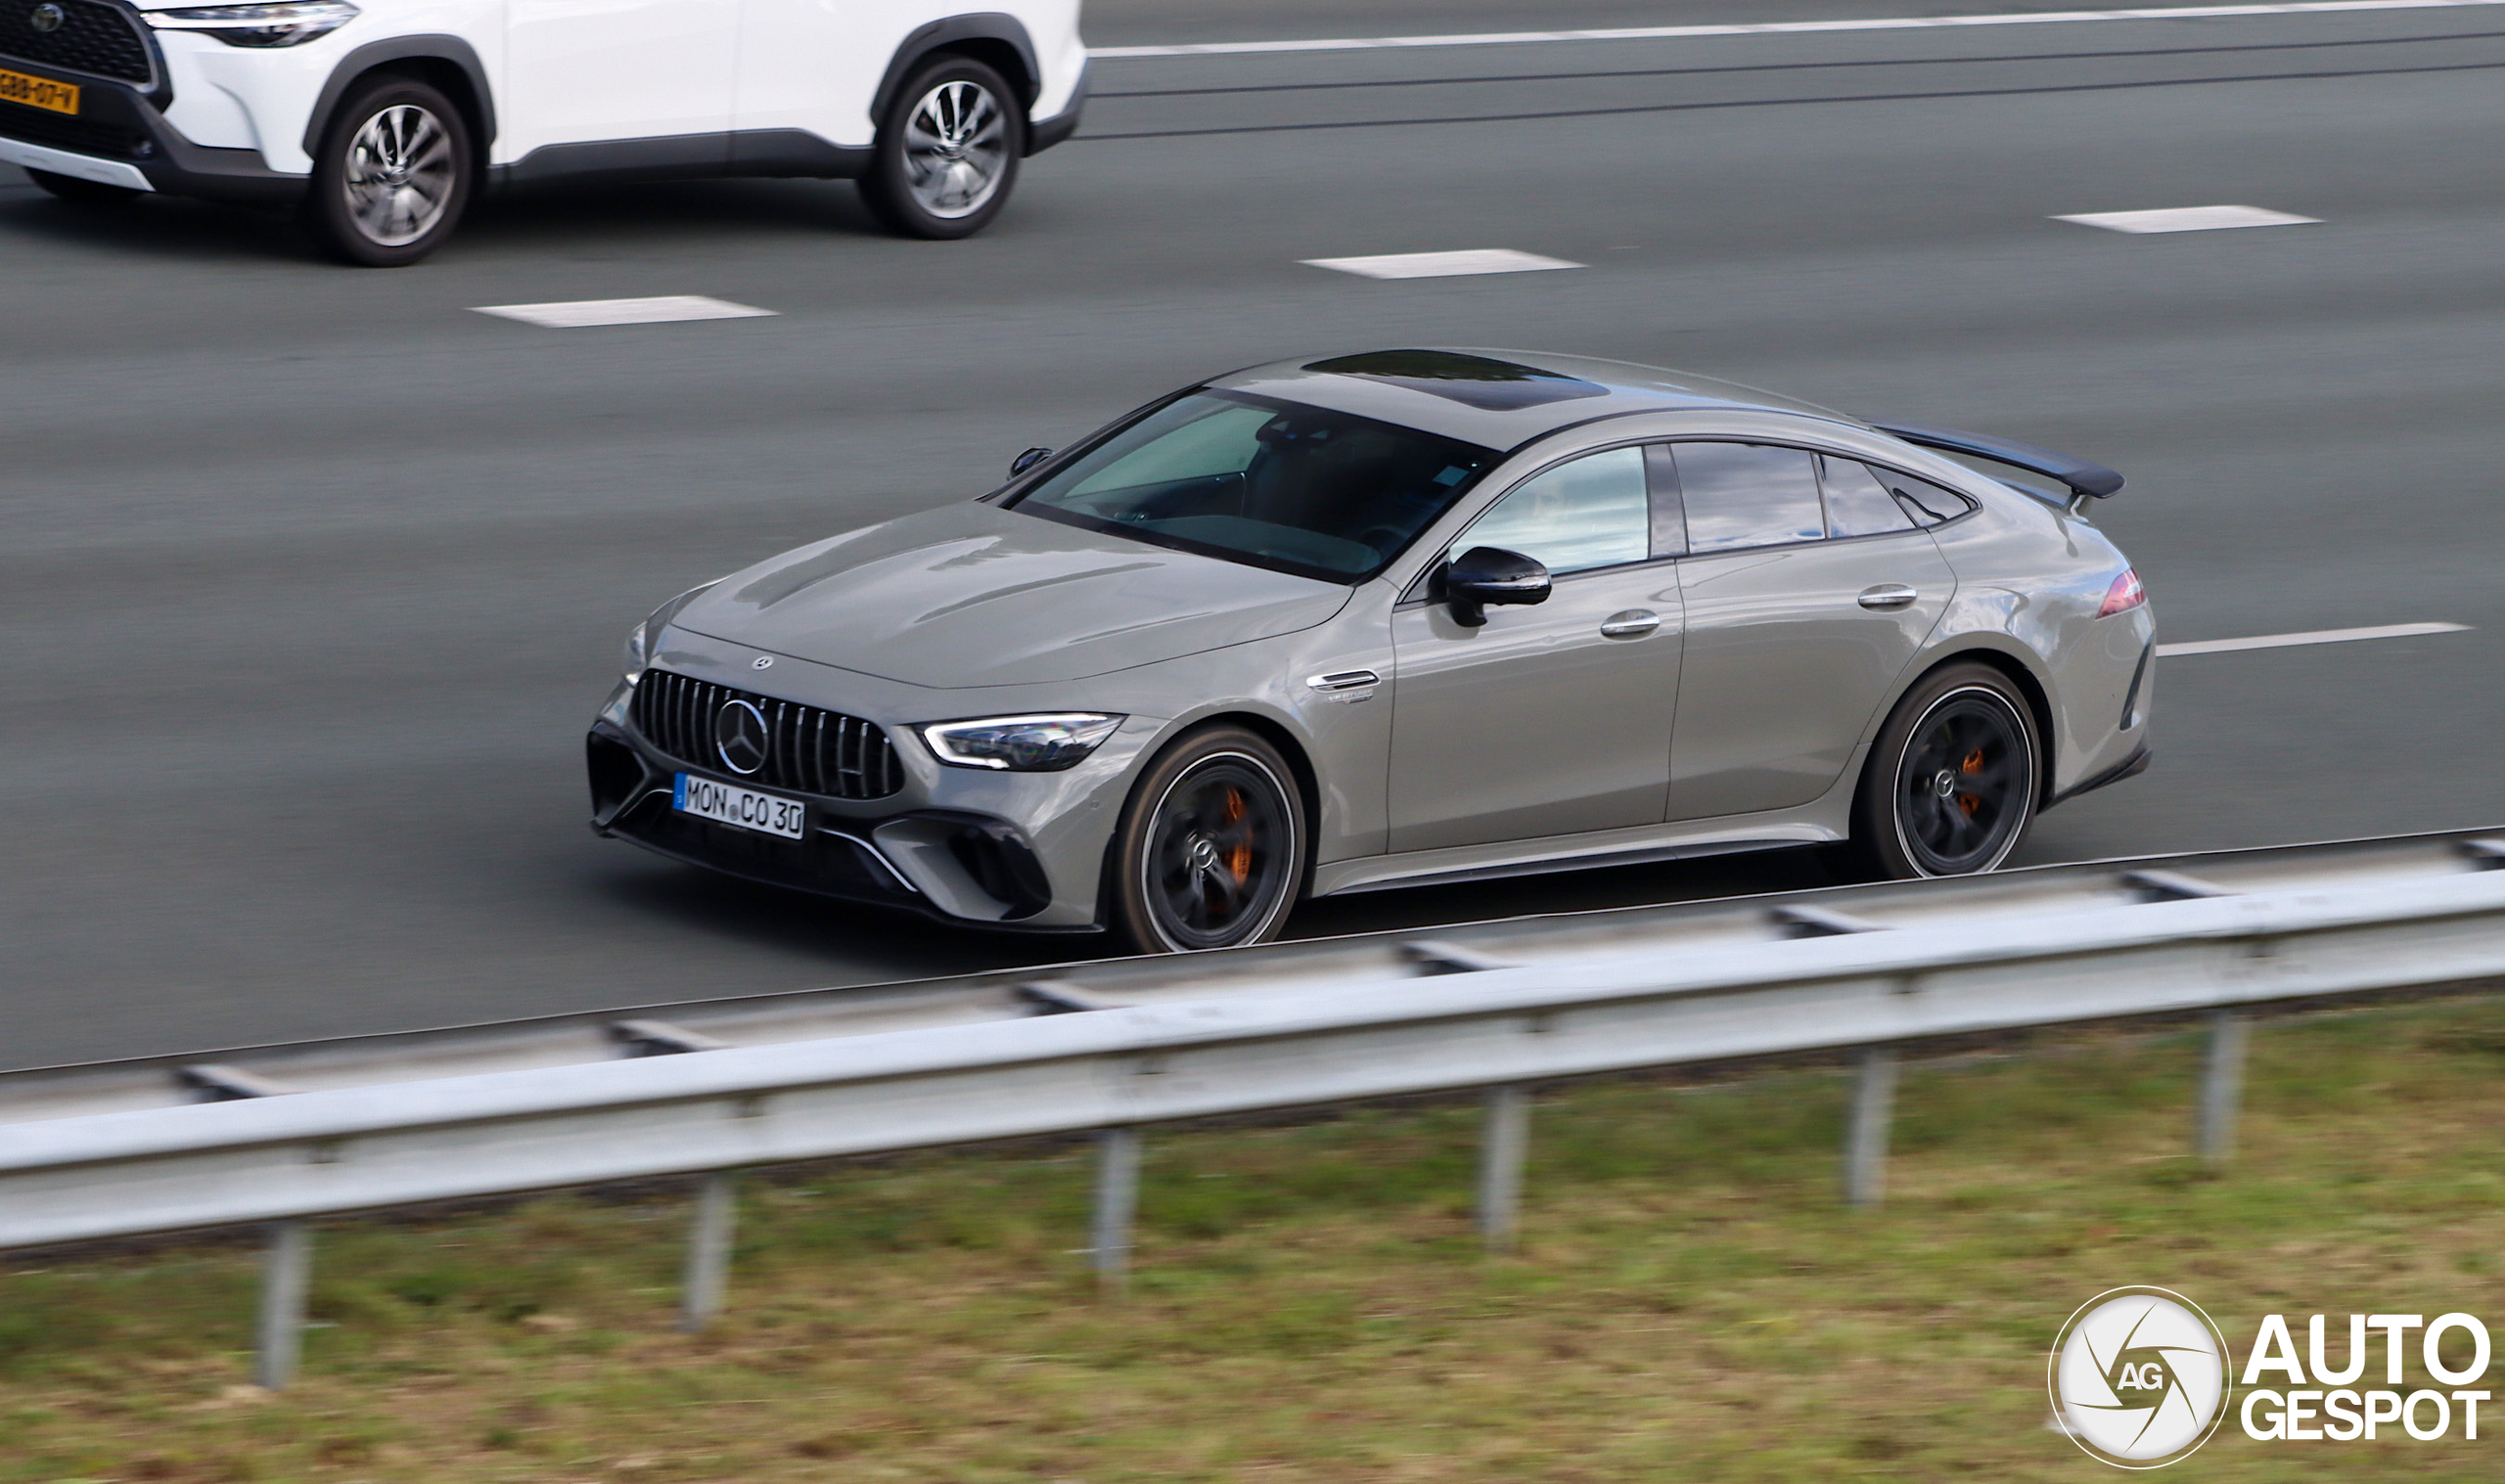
pixel 808 750
pixel 93 38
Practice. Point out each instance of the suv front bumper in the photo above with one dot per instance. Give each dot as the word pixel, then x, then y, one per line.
pixel 119 138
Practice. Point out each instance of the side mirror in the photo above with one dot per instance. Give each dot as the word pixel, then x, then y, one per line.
pixel 1028 460
pixel 1489 574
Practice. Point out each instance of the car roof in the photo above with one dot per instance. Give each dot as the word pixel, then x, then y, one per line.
pixel 1501 398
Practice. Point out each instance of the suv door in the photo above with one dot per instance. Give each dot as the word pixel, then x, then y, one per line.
pixel 1551 719
pixel 1808 590
pixel 652 76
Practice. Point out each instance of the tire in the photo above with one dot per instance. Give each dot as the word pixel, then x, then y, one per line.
pixel 85 192
pixel 394 174
pixel 947 152
pixel 1210 849
pixel 1952 780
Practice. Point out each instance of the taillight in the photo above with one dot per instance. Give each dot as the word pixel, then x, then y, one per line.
pixel 2124 595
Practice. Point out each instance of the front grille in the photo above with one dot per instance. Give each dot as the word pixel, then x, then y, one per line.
pixel 93 38
pixel 63 132
pixel 809 751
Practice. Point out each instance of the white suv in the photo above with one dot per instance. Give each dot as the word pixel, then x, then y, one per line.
pixel 380 119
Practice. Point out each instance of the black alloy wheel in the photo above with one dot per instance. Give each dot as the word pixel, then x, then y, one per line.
pixel 946 153
pixel 1210 849
pixel 85 192
pixel 1953 781
pixel 394 174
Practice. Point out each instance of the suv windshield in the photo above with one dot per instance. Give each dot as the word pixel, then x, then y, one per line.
pixel 1277 484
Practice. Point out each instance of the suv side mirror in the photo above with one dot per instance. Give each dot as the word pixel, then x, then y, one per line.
pixel 1028 460
pixel 1489 574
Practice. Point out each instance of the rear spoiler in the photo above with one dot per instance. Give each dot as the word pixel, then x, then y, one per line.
pixel 2084 480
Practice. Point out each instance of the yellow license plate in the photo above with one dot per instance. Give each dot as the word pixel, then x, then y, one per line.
pixel 39 92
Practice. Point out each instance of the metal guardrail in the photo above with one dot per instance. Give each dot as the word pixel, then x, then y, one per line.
pixel 282 1159
pixel 1676 928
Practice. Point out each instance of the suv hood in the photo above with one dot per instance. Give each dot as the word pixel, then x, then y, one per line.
pixel 972 594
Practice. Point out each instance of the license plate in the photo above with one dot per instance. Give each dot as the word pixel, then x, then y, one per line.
pixel 740 808
pixel 39 92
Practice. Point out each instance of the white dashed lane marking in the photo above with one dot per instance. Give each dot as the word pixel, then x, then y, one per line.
pixel 2190 219
pixel 1776 27
pixel 574 313
pixel 2317 636
pixel 1441 264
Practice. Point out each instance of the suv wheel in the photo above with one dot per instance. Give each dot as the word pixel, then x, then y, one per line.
pixel 947 152
pixel 394 174
pixel 1952 780
pixel 86 193
pixel 1210 852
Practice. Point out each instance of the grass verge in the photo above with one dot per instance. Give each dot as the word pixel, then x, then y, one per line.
pixel 1690 1302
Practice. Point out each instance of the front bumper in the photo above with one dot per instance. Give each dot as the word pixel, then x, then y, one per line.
pixel 956 867
pixel 119 137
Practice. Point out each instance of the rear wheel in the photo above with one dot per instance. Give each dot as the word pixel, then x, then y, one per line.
pixel 1952 780
pixel 1211 851
pixel 85 192
pixel 394 174
pixel 948 153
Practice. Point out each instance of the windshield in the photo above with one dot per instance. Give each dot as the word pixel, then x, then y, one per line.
pixel 1277 484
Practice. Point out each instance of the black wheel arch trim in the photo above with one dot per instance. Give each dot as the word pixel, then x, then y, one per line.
pixel 986 25
pixel 374 54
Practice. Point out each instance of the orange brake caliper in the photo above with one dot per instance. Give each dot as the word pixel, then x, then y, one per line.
pixel 1239 861
pixel 1973 764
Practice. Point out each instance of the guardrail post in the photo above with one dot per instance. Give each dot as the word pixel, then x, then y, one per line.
pixel 286 1270
pixel 1116 1202
pixel 709 1250
pixel 1865 1146
pixel 1502 1149
pixel 2222 1086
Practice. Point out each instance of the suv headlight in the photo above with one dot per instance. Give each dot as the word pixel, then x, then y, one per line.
pixel 639 639
pixel 289 24
pixel 1042 743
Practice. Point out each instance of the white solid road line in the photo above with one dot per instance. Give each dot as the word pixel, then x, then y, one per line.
pixel 2318 636
pixel 1776 27
pixel 2189 219
pixel 574 313
pixel 1441 264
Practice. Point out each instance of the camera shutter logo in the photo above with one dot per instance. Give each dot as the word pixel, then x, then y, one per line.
pixel 2139 1378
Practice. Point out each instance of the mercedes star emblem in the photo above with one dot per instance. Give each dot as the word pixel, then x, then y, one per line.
pixel 47 18
pixel 761 662
pixel 739 736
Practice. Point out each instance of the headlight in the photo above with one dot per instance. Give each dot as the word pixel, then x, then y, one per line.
pixel 292 24
pixel 640 639
pixel 1044 744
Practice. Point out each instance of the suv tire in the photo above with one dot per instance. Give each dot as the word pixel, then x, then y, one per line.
pixel 947 150
pixel 394 174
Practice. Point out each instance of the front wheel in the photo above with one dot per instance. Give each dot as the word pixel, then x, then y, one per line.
pixel 1952 780
pixel 392 176
pixel 947 152
pixel 85 192
pixel 1210 849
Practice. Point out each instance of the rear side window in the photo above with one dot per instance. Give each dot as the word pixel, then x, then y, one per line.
pixel 1858 503
pixel 1591 512
pixel 1927 503
pixel 1748 494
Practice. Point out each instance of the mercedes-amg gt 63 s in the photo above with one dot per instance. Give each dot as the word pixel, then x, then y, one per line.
pixel 1388 620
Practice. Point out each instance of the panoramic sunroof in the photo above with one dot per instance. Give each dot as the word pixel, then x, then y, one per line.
pixel 1474 380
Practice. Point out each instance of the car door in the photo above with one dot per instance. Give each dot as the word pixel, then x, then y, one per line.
pixel 1808 590
pixel 1549 719
pixel 651 79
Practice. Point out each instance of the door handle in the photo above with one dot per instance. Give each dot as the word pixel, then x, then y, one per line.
pixel 1633 623
pixel 1887 595
pixel 1343 680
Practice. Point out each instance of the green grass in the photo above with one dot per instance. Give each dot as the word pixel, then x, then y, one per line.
pixel 1690 1302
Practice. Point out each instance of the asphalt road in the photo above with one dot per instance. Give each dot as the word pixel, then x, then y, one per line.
pixel 311 577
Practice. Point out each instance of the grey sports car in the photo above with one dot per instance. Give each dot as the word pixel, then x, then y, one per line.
pixel 1388 620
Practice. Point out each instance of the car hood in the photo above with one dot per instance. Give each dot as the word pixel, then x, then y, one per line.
pixel 972 594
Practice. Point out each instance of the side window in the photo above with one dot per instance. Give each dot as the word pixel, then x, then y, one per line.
pixel 1925 502
pixel 1858 503
pixel 1592 512
pixel 1748 494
